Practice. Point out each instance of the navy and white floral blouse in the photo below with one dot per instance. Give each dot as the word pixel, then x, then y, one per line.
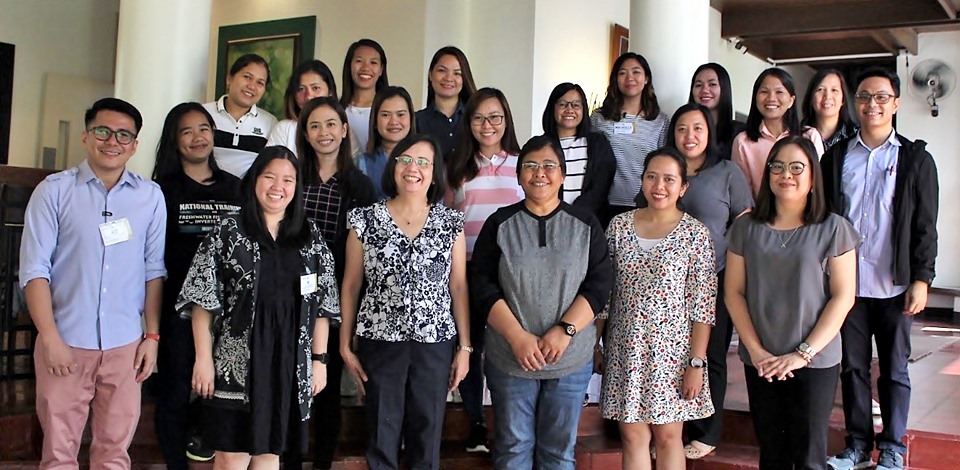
pixel 408 280
pixel 223 281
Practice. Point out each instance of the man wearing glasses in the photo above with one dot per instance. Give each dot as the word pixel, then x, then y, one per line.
pixel 91 263
pixel 887 187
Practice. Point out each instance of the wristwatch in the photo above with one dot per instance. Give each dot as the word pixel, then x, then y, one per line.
pixel 697 363
pixel 322 358
pixel 569 328
pixel 806 351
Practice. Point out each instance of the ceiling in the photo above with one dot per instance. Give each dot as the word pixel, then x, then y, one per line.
pixel 813 31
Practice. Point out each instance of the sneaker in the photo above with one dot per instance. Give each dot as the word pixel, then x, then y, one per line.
pixel 477 442
pixel 850 459
pixel 197 452
pixel 889 460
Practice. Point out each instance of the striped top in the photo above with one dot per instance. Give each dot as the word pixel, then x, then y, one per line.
pixel 631 138
pixel 237 143
pixel 494 186
pixel 575 155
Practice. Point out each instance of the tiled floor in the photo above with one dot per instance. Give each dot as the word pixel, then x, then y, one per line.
pixel 934 376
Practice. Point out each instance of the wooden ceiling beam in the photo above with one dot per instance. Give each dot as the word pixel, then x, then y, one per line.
pixel 906 38
pixel 950 7
pixel 782 18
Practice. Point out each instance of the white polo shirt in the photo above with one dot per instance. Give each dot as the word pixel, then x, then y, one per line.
pixel 236 143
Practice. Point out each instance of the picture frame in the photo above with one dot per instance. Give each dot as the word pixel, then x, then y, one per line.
pixel 284 44
pixel 619 42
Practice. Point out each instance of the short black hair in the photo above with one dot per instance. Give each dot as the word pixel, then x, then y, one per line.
pixel 539 142
pixel 882 73
pixel 847 116
pixel 791 118
pixel 115 105
pixel 712 150
pixel 550 123
pixel 438 185
pixel 246 60
pixel 294 229
pixel 816 208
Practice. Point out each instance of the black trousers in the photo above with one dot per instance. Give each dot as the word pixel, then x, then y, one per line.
pixel 883 319
pixel 325 415
pixel 707 430
pixel 791 417
pixel 406 394
pixel 176 417
pixel 471 387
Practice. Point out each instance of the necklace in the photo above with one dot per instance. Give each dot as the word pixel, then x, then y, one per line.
pixel 783 243
pixel 410 221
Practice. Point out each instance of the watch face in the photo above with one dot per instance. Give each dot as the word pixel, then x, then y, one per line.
pixel 696 362
pixel 571 330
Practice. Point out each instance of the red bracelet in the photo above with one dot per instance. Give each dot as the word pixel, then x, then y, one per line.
pixel 153 336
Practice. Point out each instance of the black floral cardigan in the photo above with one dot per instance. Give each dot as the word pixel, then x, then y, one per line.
pixel 223 280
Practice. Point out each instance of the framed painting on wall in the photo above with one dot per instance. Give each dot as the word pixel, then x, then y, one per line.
pixel 282 43
pixel 619 42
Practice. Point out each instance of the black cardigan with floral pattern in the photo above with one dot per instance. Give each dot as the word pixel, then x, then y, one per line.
pixel 223 280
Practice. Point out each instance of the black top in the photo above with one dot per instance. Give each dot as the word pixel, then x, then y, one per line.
pixel 192 210
pixel 915 207
pixel 431 121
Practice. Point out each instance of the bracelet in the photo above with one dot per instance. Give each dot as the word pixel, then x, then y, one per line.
pixel 153 336
pixel 803 355
pixel 468 349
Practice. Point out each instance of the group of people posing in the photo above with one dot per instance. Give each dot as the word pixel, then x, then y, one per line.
pixel 427 251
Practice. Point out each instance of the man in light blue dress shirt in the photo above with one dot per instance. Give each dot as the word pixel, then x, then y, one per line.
pixel 91 264
pixel 886 185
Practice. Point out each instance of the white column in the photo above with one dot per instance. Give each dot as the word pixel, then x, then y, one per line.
pixel 674 37
pixel 162 60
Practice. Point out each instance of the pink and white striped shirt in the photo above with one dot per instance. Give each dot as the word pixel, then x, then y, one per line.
pixel 494 186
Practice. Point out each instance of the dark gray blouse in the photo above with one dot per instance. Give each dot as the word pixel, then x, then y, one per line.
pixel 788 286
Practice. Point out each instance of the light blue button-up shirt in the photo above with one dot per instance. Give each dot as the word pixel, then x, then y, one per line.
pixel 98 291
pixel 869 178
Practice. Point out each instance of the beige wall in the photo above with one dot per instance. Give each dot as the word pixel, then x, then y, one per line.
pixel 74 38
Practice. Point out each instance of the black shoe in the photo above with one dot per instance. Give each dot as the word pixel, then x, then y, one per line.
pixel 197 452
pixel 477 442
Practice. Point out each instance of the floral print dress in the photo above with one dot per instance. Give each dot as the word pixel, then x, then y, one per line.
pixel 659 293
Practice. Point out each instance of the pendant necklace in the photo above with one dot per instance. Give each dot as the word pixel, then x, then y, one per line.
pixel 783 243
pixel 410 221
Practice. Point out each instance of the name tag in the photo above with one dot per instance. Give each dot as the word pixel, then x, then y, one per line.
pixel 115 232
pixel 308 283
pixel 623 128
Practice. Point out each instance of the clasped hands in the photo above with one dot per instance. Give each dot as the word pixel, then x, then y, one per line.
pixel 534 353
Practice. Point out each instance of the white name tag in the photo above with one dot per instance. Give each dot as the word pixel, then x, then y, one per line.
pixel 623 128
pixel 116 231
pixel 308 283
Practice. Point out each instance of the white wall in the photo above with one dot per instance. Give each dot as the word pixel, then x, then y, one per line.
pixel 397 25
pixel 941 133
pixel 75 38
pixel 572 45
pixel 66 98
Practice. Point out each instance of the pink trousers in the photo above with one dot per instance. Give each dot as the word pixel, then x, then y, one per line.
pixel 105 383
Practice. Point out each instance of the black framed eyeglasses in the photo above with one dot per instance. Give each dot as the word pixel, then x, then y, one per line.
pixel 795 168
pixel 493 119
pixel 576 105
pixel 103 134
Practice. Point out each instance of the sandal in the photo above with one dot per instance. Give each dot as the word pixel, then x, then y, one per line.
pixel 696 450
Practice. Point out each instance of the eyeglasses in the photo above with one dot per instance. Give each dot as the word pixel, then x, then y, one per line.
pixel 104 134
pixel 880 98
pixel 406 160
pixel 795 168
pixel 533 167
pixel 493 119
pixel 574 105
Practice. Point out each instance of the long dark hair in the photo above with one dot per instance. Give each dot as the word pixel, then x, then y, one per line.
pixel 291 108
pixel 309 167
pixel 712 150
pixel 550 122
pixel 463 160
pixel 469 86
pixel 848 118
pixel 347 82
pixel 294 229
pixel 612 108
pixel 791 119
pixel 376 140
pixel 724 122
pixel 816 208
pixel 169 161
pixel 438 186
